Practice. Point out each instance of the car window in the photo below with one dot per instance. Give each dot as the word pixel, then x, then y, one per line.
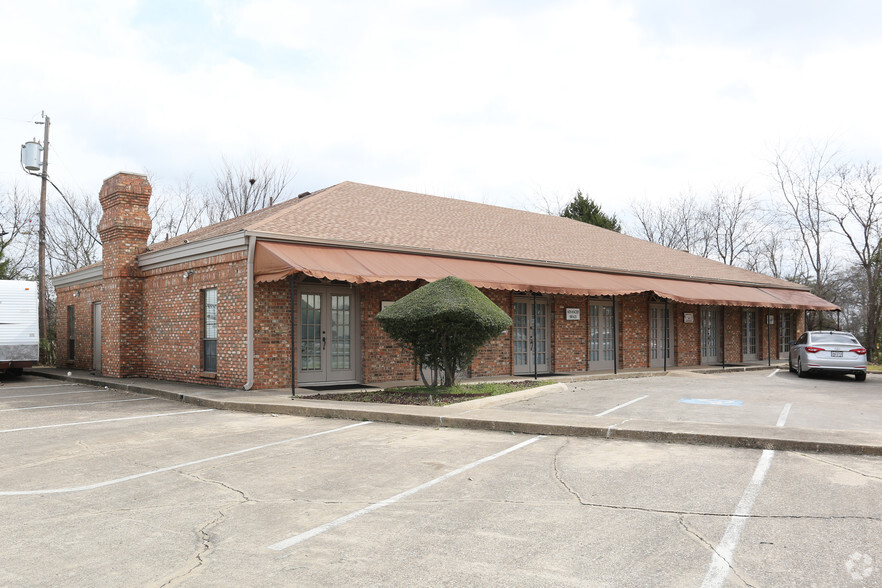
pixel 802 339
pixel 834 338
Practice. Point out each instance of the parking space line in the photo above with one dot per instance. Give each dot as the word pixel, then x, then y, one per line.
pixel 176 466
pixel 291 541
pixel 49 394
pixel 38 386
pixel 720 563
pixel 75 404
pixel 773 373
pixel 131 418
pixel 606 412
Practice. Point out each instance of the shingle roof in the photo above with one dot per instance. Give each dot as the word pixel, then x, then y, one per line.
pixel 369 215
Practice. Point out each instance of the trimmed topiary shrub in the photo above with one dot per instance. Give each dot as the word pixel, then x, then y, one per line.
pixel 444 323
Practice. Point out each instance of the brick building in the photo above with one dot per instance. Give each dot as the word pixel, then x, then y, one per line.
pixel 219 304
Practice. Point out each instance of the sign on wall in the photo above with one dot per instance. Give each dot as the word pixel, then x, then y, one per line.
pixel 688 317
pixel 574 314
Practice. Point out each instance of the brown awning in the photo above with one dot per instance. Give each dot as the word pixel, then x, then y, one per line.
pixel 275 261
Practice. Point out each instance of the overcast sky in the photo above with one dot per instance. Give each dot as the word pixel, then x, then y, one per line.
pixel 494 101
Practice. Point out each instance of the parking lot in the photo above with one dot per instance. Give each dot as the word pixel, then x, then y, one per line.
pixel 748 398
pixel 100 487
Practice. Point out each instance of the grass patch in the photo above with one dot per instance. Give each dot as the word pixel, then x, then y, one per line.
pixel 874 367
pixel 439 396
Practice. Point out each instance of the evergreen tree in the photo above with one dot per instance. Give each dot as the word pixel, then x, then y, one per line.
pixel 584 209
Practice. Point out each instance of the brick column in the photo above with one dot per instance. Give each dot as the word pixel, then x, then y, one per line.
pixel 124 230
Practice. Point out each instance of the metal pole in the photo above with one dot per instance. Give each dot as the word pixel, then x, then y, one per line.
pixel 769 337
pixel 615 339
pixel 723 335
pixel 535 351
pixel 838 328
pixel 293 341
pixel 667 334
pixel 42 251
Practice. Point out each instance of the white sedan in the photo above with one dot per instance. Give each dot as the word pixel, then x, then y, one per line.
pixel 834 352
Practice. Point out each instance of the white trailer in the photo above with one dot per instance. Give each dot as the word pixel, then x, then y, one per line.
pixel 19 326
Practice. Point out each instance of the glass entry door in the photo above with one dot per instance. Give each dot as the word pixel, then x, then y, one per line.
pixel 660 336
pixel 601 336
pixel 749 335
pixel 710 336
pixel 327 323
pixel 529 337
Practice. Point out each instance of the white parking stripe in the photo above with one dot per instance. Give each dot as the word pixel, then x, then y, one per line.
pixel 50 394
pixel 132 418
pixel 76 404
pixel 773 373
pixel 783 418
pixel 173 467
pixel 606 412
pixel 39 386
pixel 720 563
pixel 291 541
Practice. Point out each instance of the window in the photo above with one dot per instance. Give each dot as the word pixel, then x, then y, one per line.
pixel 209 330
pixel 70 332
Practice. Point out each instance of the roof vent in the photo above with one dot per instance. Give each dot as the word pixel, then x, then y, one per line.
pixel 304 195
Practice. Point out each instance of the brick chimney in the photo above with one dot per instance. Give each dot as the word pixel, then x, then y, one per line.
pixel 124 230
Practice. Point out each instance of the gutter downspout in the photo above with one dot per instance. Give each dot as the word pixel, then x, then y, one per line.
pixel 249 314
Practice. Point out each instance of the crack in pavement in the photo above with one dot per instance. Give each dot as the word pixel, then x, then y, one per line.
pixel 710 547
pixel 206 547
pixel 558 475
pixel 840 466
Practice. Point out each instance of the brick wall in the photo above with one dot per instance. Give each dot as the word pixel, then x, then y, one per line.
pixel 383 360
pixel 688 335
pixel 570 337
pixel 82 298
pixel 173 312
pixel 494 358
pixel 634 329
pixel 733 339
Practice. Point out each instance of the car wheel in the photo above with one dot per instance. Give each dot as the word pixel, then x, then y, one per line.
pixel 799 371
pixel 860 376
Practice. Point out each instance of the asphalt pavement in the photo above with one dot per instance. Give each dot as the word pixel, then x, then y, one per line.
pixel 685 406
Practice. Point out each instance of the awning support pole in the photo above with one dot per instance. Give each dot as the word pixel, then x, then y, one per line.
pixel 667 334
pixel 293 340
pixel 838 328
pixel 533 332
pixel 615 338
pixel 723 335
pixel 769 336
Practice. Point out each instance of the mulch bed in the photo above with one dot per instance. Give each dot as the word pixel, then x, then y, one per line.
pixel 395 397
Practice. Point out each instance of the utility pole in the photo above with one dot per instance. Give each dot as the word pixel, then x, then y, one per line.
pixel 42 271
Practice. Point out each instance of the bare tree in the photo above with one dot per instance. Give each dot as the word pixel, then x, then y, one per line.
pixel 177 210
pixel 735 223
pixel 680 225
pixel 857 213
pixel 71 238
pixel 241 188
pixel 19 220
pixel 805 181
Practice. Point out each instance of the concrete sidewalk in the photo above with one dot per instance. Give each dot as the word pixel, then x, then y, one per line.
pixel 483 413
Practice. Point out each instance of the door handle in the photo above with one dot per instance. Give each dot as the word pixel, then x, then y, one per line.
pixel 323 342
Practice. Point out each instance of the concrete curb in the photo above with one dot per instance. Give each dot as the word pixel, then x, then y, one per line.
pixel 479 414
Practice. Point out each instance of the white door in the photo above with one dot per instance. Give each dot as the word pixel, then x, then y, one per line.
pixel 601 336
pixel 529 336
pixel 660 336
pixel 96 337
pixel 327 329
pixel 749 335
pixel 710 335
